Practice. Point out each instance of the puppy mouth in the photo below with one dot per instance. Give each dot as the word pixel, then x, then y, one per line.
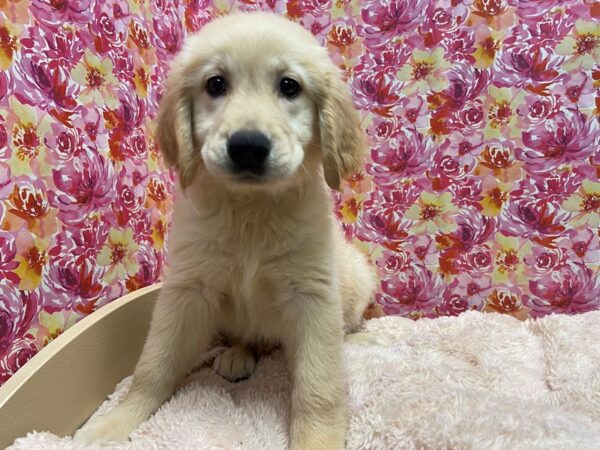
pixel 249 177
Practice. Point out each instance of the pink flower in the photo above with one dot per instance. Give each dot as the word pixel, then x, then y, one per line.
pixel 109 24
pixel 378 91
pixel 61 48
pixel 17 311
pixel 458 107
pixel 538 109
pixel 90 126
pixel 414 112
pixel 467 192
pixel 83 242
pixel 297 9
pixel 526 67
pixel 423 248
pixel 141 224
pixel 546 31
pixel 458 298
pixel 22 350
pixel 131 193
pixel 37 84
pixel 555 187
pixel 466 246
pixel 150 268
pixel 74 285
pixel 405 155
pixel 415 289
pixel 583 245
pixel 318 25
pixel 6 184
pixel 84 186
pixel 384 128
pixel 577 88
pixel 460 46
pixel 54 14
pixel 168 35
pixel 441 22
pixel 8 263
pixel 387 58
pixel 63 143
pixel 447 168
pixel 198 13
pixel 531 9
pixel 383 225
pixel 476 261
pixel 573 289
pixel 543 260
pixel 122 59
pixel 5 150
pixel 466 84
pixel 387 19
pixel 530 219
pixel 129 115
pixel 567 137
pixel 472 230
pixel 546 188
pixel 382 220
pixel 393 262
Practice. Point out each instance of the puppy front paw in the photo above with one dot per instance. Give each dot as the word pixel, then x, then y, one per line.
pixel 116 425
pixel 235 363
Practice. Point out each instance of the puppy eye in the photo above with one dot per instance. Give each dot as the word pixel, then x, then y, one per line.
pixel 216 86
pixel 289 88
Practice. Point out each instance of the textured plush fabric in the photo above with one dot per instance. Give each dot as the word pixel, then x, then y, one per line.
pixel 477 381
pixel 481 190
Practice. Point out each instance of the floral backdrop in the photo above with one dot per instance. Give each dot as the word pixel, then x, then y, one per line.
pixel 482 188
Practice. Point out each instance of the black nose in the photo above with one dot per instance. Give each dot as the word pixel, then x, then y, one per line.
pixel 248 150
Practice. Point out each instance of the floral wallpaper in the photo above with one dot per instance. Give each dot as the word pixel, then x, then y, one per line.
pixel 481 191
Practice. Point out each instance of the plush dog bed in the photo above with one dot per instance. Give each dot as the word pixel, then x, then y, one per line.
pixel 477 381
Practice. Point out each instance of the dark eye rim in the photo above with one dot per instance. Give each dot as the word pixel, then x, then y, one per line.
pixel 216 91
pixel 294 93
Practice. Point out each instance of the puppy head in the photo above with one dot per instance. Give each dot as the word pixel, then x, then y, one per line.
pixel 254 102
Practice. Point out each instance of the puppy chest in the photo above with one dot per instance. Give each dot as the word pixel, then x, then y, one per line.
pixel 250 309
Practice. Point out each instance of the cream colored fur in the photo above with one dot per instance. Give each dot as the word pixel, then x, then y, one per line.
pixel 265 263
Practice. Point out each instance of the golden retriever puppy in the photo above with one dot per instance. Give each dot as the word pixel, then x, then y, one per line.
pixel 257 122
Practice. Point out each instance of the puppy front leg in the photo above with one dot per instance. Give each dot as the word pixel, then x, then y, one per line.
pixel 314 353
pixel 182 327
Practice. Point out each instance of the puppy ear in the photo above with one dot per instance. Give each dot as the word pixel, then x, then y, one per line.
pixel 343 143
pixel 175 124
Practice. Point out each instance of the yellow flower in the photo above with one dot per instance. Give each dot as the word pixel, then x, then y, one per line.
pixel 9 33
pixel 159 231
pixel 502 119
pixel 586 203
pixel 97 80
pixel 495 194
pixel 433 213
pixel 141 80
pixel 28 131
pixel 487 47
pixel 31 255
pixel 583 47
pixel 52 325
pixel 509 255
pixel 424 72
pixel 119 254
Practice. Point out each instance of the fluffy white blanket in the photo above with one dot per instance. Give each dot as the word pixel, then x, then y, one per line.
pixel 477 381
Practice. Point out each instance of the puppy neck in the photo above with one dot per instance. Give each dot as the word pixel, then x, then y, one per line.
pixel 205 194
